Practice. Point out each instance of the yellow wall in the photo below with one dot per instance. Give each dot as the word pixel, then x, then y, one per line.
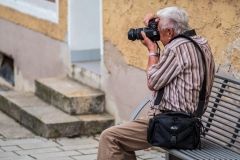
pixel 218 21
pixel 56 31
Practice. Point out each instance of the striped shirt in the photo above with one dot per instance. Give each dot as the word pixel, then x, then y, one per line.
pixel 180 72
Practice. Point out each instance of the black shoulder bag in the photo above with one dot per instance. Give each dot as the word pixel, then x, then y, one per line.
pixel 178 129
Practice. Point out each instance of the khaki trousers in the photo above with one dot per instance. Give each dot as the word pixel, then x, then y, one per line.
pixel 119 142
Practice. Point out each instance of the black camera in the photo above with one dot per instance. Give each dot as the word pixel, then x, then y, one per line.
pixel 151 32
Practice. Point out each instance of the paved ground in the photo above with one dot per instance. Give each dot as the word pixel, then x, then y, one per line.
pixel 17 143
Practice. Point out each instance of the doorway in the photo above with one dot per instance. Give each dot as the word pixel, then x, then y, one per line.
pixel 84 33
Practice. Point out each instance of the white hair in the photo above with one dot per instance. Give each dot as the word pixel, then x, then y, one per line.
pixel 175 18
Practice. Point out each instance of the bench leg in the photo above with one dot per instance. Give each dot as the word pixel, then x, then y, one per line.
pixel 171 157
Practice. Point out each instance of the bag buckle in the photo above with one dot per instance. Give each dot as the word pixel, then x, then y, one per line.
pixel 173 140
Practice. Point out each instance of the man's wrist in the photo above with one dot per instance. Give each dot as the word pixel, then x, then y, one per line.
pixel 153 54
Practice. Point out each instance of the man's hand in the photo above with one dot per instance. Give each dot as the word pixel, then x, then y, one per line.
pixel 148 17
pixel 151 46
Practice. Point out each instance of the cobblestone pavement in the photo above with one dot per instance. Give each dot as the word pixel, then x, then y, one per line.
pixel 81 148
pixel 18 143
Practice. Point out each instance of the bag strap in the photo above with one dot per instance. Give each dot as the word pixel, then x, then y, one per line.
pixel 201 101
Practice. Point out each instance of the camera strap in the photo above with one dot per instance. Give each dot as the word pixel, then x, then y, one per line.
pixel 187 33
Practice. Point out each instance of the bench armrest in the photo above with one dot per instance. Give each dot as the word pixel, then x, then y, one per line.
pixel 140 107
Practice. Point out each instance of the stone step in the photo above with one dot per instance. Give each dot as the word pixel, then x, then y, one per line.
pixel 70 95
pixel 48 121
pixel 86 73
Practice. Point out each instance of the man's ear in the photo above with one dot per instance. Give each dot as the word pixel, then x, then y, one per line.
pixel 170 32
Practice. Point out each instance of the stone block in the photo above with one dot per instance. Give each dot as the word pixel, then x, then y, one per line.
pixel 94 124
pixel 85 157
pixel 56 154
pixel 11 148
pixel 7 154
pixel 38 151
pixel 12 142
pixel 89 151
pixel 70 96
pixel 80 146
pixel 57 158
pixel 18 158
pixel 76 141
pixel 48 144
pixel 9 128
pixel 86 76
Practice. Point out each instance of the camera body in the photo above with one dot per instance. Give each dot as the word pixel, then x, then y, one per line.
pixel 151 32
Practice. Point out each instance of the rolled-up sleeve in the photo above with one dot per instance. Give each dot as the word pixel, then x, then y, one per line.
pixel 168 67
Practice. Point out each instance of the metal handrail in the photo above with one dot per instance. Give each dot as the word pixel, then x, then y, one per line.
pixel 140 107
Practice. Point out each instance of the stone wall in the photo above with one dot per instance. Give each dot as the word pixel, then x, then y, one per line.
pixel 54 30
pixel 35 55
pixel 218 21
pixel 39 48
pixel 124 62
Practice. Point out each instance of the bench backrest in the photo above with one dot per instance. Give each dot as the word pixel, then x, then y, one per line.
pixel 222 117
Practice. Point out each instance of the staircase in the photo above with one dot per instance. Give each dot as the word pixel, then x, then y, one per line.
pixel 60 107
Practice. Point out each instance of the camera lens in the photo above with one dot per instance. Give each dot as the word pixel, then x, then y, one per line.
pixel 138 33
pixel 132 34
pixel 151 32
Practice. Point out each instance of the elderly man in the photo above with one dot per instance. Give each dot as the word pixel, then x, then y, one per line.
pixel 179 70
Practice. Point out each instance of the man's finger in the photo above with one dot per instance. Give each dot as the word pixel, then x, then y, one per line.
pixel 143 35
pixel 148 17
pixel 146 39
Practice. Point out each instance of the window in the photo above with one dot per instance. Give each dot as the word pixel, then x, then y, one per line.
pixel 6 68
pixel 44 9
